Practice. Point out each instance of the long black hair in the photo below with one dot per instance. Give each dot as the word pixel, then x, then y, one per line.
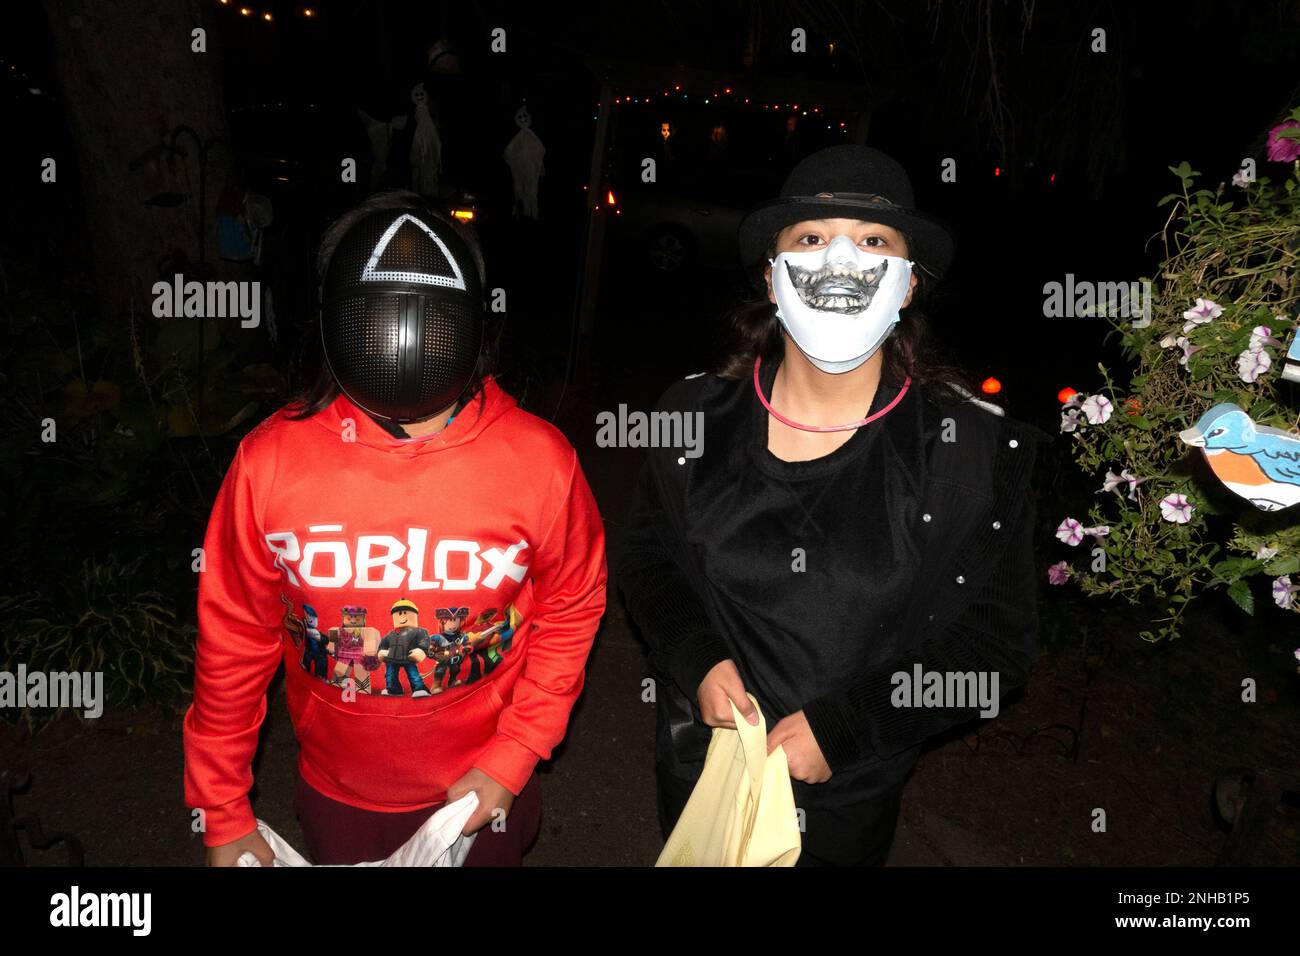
pixel 911 349
pixel 321 388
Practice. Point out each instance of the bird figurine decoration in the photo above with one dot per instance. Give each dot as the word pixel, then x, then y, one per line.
pixel 1291 361
pixel 1258 462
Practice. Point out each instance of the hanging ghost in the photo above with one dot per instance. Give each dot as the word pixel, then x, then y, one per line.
pixel 523 154
pixel 1258 462
pixel 426 146
pixel 381 141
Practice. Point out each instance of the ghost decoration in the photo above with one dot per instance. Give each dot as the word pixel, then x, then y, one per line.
pixel 523 154
pixel 1258 462
pixel 426 146
pixel 381 141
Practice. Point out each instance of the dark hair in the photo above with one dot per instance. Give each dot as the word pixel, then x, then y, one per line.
pixel 755 332
pixel 321 388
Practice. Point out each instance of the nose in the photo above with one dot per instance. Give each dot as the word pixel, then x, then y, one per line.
pixel 841 248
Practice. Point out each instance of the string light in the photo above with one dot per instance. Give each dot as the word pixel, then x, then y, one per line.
pixel 714 99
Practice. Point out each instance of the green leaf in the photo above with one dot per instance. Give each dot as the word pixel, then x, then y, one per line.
pixel 1240 593
pixel 1279 566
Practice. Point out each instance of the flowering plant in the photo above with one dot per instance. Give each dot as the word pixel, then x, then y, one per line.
pixel 1216 332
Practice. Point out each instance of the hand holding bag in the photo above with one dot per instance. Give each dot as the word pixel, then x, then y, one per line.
pixel 438 842
pixel 741 812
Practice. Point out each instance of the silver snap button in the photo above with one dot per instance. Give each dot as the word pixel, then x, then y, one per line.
pixel 1013 443
pixel 997 525
pixel 961 579
pixel 925 517
pixel 681 461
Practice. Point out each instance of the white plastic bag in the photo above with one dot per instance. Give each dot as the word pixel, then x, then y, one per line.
pixel 438 842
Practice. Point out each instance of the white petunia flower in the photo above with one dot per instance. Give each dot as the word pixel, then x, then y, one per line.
pixel 1176 508
pixel 1253 363
pixel 1204 311
pixel 1070 531
pixel 1097 409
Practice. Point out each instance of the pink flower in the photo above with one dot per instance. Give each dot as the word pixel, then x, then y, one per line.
pixel 1204 311
pixel 1175 508
pixel 1283 149
pixel 1241 180
pixel 1058 573
pixel 1114 482
pixel 1260 336
pixel 1069 420
pixel 1265 553
pixel 1070 531
pixel 1253 363
pixel 1097 409
pixel 1188 349
pixel 1283 590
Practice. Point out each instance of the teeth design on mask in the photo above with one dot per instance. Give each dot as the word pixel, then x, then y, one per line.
pixel 837 286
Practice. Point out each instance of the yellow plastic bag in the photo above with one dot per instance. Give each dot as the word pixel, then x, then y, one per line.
pixel 741 812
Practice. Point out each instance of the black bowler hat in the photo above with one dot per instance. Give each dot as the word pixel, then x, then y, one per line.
pixel 850 182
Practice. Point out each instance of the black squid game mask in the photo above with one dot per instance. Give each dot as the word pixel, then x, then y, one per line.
pixel 402 315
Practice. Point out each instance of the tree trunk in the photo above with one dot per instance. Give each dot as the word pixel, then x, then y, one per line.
pixel 129 78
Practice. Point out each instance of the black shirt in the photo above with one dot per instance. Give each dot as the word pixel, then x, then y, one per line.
pixel 918 551
pixel 810 562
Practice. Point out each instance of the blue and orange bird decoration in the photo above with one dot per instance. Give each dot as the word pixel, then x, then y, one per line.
pixel 1258 462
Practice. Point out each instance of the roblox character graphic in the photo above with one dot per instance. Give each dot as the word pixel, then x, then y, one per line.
pixel 314 659
pixel 489 643
pixel 292 622
pixel 450 645
pixel 355 646
pixel 402 649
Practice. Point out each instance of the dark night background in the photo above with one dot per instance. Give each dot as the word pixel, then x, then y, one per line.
pixel 1061 156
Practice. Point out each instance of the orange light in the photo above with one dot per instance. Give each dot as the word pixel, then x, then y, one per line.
pixel 1065 394
pixel 678 87
pixel 727 90
pixel 609 197
pixel 464 215
pixel 245 12
pixel 308 12
pixel 266 17
pixel 991 386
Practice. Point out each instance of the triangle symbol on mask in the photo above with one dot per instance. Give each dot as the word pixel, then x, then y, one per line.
pixel 410 239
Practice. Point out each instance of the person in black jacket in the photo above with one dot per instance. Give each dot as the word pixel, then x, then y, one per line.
pixel 859 516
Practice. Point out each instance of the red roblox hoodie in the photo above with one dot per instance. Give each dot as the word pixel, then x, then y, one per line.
pixel 433 601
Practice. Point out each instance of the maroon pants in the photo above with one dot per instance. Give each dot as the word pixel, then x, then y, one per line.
pixel 339 834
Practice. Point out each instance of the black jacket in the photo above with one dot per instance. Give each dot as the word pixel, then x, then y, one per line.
pixel 972 608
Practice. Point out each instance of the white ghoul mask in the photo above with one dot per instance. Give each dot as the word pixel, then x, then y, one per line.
pixel 839 303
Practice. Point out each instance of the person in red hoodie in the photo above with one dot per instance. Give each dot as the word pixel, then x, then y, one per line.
pixel 407 516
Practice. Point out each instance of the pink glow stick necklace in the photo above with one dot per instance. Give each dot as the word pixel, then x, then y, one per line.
pixel 824 428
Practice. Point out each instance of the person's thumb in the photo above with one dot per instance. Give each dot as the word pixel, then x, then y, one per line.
pixel 743 704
